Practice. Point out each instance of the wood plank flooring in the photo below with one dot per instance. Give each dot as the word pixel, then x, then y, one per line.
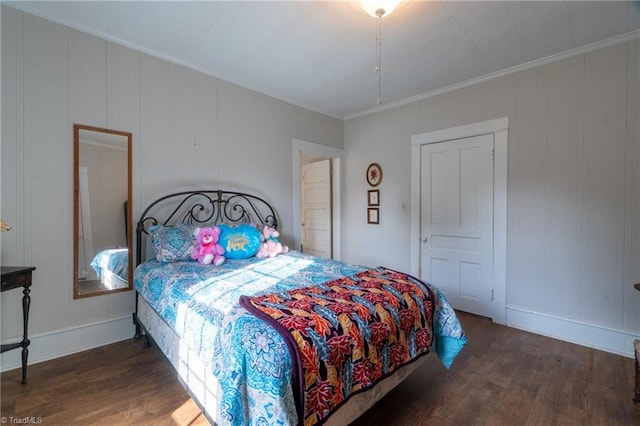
pixel 503 377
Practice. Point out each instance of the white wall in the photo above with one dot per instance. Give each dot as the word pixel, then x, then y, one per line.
pixel 189 129
pixel 573 189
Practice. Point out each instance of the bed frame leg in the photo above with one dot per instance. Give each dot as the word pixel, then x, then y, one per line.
pixel 141 332
pixel 137 324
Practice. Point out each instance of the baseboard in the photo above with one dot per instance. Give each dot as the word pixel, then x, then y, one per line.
pixel 57 343
pixel 498 312
pixel 595 336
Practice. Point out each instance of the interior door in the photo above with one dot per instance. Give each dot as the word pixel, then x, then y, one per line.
pixel 315 195
pixel 456 222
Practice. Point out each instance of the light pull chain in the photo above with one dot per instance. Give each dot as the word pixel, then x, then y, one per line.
pixel 379 13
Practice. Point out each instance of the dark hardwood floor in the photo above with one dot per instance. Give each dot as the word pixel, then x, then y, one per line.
pixel 503 377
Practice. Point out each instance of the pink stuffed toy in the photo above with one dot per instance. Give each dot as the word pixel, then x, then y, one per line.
pixel 271 245
pixel 208 251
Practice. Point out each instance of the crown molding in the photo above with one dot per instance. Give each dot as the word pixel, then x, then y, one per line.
pixel 623 38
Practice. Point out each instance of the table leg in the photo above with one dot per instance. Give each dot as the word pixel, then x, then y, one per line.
pixel 26 303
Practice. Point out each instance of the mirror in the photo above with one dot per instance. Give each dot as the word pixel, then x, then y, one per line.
pixel 101 211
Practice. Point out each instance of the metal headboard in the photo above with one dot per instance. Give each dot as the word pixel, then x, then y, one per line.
pixel 204 207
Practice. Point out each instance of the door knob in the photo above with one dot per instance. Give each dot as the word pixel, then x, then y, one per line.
pixel 425 239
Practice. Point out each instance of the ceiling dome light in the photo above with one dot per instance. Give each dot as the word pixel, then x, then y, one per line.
pixel 379 8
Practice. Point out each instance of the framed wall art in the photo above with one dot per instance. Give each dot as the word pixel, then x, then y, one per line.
pixel 374 174
pixel 373 216
pixel 373 197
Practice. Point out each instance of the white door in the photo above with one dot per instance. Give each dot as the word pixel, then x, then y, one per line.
pixel 315 194
pixel 456 222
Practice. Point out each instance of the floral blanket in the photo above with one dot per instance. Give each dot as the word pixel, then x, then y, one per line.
pixel 347 334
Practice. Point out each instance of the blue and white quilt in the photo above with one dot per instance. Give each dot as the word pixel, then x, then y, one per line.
pixel 116 261
pixel 249 359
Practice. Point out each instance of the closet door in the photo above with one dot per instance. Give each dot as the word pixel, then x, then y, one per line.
pixel 456 253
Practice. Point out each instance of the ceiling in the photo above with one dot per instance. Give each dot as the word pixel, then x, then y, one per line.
pixel 321 55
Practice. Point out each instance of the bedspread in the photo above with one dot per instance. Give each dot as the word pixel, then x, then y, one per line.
pixel 114 260
pixel 248 357
pixel 349 333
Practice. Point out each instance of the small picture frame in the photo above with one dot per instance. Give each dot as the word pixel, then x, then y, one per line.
pixel 373 216
pixel 374 174
pixel 373 197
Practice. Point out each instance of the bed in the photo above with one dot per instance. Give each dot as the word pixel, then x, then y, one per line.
pixel 291 339
pixel 112 267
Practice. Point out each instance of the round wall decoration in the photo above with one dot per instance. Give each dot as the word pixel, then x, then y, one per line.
pixel 374 174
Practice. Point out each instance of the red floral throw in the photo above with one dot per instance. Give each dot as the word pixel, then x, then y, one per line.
pixel 347 334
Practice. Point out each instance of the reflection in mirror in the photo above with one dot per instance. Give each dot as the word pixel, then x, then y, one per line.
pixel 102 211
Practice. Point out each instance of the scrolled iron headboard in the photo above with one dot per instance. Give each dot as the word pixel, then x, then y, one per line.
pixel 204 207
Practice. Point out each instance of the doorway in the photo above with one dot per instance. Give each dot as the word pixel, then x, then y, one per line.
pixel 305 152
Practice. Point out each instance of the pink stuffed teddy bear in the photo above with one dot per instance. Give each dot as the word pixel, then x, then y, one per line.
pixel 271 245
pixel 208 251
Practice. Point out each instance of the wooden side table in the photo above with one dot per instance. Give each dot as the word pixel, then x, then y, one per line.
pixel 14 277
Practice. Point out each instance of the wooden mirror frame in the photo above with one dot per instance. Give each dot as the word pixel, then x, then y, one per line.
pixel 76 206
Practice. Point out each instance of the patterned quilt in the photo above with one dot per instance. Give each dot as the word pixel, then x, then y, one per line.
pixel 114 260
pixel 248 357
pixel 347 334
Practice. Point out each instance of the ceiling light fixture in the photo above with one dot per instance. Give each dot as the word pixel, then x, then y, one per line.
pixel 378 9
pixel 373 6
